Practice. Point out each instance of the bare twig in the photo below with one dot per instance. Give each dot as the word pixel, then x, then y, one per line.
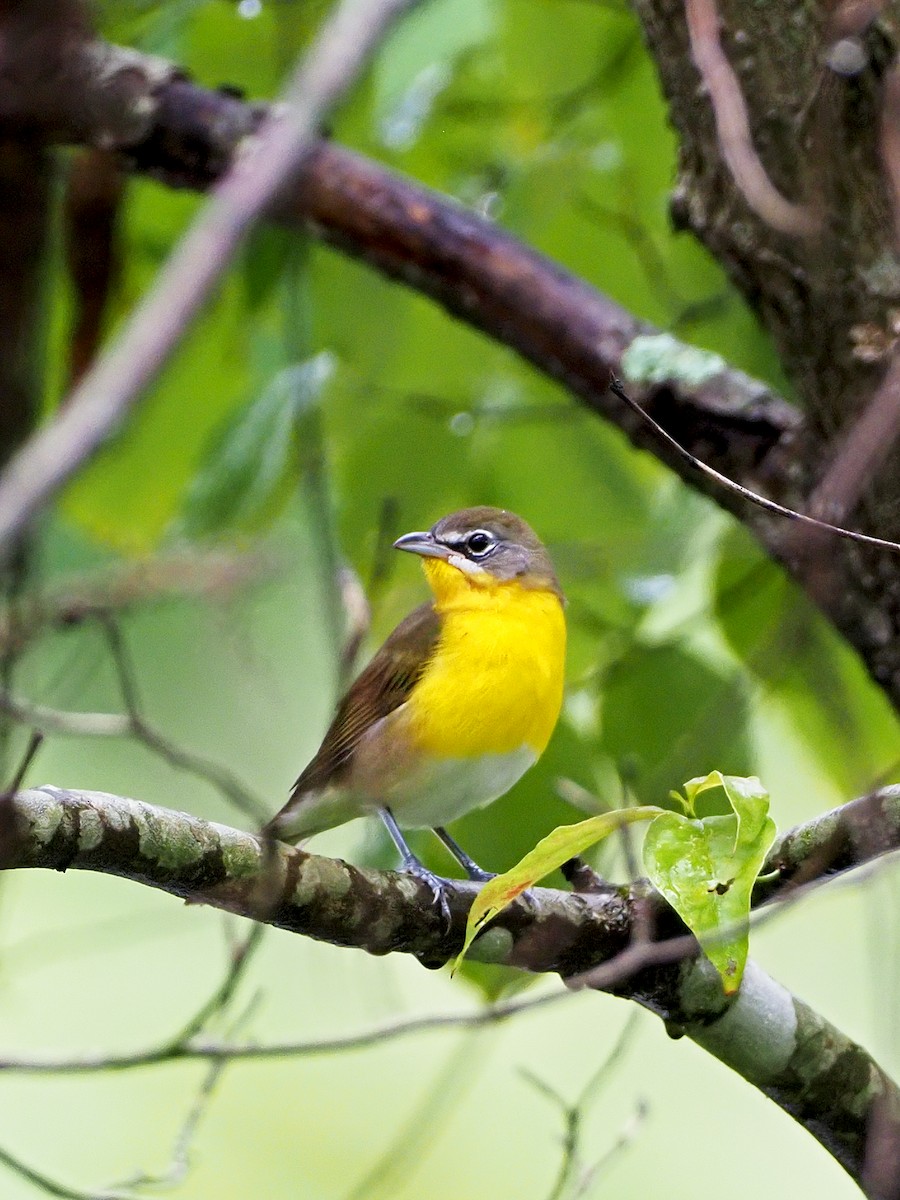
pixel 34 744
pixel 101 401
pixel 240 958
pixel 358 617
pixel 627 1134
pixel 733 127
pixel 214 574
pixel 574 1113
pixel 53 1188
pixel 745 493
pixel 50 721
pixel 201 1049
pixel 179 1162
pixel 863 451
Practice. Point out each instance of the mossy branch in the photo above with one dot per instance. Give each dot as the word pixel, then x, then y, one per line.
pixel 813 1071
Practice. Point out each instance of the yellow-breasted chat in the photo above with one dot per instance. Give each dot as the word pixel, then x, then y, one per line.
pixel 459 701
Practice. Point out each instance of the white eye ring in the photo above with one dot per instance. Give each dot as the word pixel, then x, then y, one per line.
pixel 481 550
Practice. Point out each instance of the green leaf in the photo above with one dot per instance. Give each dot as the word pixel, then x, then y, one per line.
pixel 254 463
pixel 706 867
pixel 551 852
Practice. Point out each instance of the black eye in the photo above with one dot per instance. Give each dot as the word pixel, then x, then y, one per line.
pixel 478 543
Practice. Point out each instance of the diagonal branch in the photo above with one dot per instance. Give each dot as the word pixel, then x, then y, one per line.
pixel 103 398
pixel 766 1035
pixel 185 135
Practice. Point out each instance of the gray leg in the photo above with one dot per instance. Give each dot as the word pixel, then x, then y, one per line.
pixel 413 866
pixel 469 865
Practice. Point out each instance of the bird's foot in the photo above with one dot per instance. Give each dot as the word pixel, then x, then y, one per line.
pixel 441 888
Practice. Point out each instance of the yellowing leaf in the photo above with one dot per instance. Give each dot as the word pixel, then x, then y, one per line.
pixel 551 852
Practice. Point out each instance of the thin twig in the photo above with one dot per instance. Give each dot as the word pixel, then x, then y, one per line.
pixel 101 401
pixel 240 958
pixel 53 1188
pixel 357 619
pixel 627 1135
pixel 200 1049
pixel 179 1163
pixel 573 1114
pixel 125 585
pixel 745 493
pixel 180 1159
pixel 863 451
pixel 34 744
pixel 49 721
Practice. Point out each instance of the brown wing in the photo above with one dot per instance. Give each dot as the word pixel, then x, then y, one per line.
pixel 383 686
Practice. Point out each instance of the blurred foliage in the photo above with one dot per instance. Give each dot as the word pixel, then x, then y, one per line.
pixel 689 651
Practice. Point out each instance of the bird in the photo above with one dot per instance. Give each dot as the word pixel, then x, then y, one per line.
pixel 459 701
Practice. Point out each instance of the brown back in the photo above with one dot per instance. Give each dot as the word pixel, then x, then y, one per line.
pixel 383 686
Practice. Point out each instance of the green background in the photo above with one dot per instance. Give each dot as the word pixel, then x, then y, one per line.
pixel 689 652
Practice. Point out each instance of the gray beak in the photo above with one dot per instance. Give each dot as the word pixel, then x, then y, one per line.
pixel 421 543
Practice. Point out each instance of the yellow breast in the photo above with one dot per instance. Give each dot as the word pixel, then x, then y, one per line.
pixel 495 682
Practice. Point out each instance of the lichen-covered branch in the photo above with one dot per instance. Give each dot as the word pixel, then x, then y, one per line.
pixel 811 1070
pixel 825 1081
pixel 322 898
pixel 838 840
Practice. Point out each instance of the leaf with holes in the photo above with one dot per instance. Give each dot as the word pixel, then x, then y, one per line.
pixel 706 867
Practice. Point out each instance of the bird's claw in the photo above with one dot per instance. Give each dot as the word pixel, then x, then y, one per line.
pixel 440 888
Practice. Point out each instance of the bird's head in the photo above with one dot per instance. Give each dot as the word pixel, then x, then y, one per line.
pixel 482 548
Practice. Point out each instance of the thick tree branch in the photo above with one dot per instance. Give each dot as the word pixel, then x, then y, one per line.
pixel 809 1068
pixel 187 137
pixel 817 117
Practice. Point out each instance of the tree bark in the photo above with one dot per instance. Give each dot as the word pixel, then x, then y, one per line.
pixel 822 98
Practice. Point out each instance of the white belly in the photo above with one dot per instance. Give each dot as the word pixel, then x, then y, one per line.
pixel 448 788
